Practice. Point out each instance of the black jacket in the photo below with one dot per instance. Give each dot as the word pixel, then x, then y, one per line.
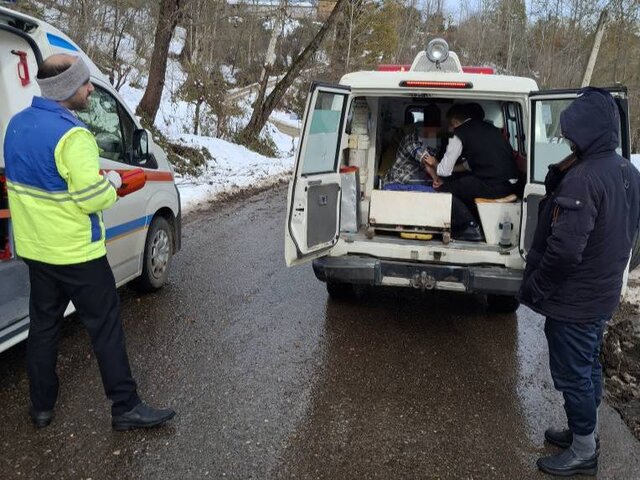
pixel 586 222
pixel 487 152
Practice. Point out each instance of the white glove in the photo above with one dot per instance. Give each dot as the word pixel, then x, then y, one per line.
pixel 113 178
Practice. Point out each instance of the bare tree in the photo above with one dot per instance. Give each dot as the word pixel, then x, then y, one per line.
pixel 170 11
pixel 262 112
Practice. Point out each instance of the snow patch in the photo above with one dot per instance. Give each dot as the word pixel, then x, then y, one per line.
pixel 233 168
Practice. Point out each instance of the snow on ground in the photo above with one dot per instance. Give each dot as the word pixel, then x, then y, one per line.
pixel 233 167
pixel 287 118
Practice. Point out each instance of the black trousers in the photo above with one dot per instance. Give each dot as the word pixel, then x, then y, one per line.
pixel 465 189
pixel 92 289
pixel 574 361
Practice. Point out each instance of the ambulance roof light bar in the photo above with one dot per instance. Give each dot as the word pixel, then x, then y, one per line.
pixel 388 67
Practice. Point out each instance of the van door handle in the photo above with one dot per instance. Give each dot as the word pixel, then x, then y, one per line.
pixel 324 200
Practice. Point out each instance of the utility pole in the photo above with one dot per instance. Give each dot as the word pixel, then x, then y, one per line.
pixel 596 47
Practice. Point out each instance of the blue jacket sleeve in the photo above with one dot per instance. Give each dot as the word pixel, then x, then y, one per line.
pixel 575 212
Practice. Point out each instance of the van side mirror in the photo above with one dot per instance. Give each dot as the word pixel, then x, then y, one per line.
pixel 140 147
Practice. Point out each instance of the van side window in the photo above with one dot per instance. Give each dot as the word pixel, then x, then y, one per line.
pixel 513 124
pixel 324 134
pixel 110 124
pixel 549 145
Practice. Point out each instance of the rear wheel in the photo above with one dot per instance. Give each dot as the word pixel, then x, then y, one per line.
pixel 341 291
pixel 502 303
pixel 158 252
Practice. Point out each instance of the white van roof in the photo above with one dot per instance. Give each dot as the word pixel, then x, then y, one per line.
pixel 370 82
pixel 49 39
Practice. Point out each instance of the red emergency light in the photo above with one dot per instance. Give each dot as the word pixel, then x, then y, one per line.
pixel 435 84
pixel 388 67
pixel 480 70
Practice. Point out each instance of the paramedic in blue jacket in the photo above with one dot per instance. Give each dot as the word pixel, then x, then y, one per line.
pixel 586 226
pixel 56 196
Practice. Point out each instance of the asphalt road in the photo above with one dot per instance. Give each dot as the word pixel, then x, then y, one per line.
pixel 273 380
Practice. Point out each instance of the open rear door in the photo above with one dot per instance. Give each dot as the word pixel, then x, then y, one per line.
pixel 313 216
pixel 19 60
pixel 546 146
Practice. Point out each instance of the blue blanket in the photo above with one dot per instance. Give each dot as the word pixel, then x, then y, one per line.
pixel 401 187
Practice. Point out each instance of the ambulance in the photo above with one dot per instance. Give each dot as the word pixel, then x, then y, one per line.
pixel 356 232
pixel 143 229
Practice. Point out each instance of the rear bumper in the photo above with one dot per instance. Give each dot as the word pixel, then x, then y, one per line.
pixel 425 276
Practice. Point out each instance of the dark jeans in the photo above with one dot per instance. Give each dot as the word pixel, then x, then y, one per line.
pixel 574 349
pixel 92 289
pixel 465 189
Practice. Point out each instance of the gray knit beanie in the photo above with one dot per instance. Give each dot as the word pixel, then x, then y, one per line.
pixel 65 85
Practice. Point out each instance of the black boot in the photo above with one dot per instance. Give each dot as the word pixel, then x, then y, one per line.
pixel 40 419
pixel 469 233
pixel 142 416
pixel 563 438
pixel 567 463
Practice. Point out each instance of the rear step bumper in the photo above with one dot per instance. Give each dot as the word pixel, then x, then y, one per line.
pixel 424 276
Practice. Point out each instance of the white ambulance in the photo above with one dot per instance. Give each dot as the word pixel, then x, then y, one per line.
pixel 358 233
pixel 142 229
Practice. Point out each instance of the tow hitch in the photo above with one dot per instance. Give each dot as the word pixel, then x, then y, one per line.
pixel 423 281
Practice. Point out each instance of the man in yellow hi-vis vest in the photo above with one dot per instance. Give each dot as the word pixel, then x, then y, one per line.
pixel 56 197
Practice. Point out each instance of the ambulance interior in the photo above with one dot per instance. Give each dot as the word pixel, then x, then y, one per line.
pixel 375 128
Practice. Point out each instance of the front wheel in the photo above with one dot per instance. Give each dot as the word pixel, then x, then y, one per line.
pixel 502 303
pixel 158 252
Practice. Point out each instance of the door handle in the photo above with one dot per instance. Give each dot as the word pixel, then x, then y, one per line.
pixel 324 200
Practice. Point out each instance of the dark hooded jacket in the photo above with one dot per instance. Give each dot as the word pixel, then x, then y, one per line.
pixel 587 221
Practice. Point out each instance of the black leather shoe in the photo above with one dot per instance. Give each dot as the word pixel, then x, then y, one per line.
pixel 40 419
pixel 142 416
pixel 564 438
pixel 470 233
pixel 567 463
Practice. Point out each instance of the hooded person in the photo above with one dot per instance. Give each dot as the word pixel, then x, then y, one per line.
pixel 57 195
pixel 587 223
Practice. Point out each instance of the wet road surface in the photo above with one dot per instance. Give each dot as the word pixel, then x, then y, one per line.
pixel 273 380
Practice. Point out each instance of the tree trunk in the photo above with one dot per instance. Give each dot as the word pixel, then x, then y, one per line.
pixel 278 28
pixel 196 117
pixel 262 112
pixel 170 11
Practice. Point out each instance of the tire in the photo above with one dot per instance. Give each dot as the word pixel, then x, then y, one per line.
pixel 635 253
pixel 502 303
pixel 341 291
pixel 158 252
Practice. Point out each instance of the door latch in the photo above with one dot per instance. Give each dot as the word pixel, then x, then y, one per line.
pixel 324 200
